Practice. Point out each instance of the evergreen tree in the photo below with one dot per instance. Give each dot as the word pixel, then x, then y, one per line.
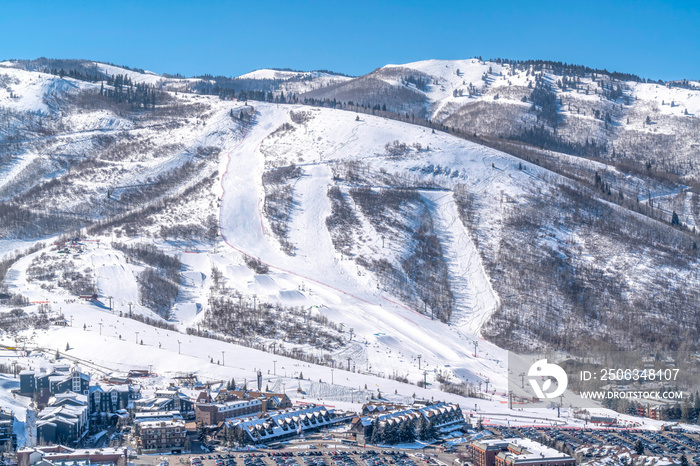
pixel 201 434
pixel 377 433
pixel 674 219
pixel 426 430
pixel 391 433
pixel 686 411
pixel 639 447
pixel 407 432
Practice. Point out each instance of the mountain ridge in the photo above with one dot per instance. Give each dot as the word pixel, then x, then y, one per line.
pixel 128 162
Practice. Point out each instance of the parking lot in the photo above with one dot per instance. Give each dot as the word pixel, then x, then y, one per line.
pixel 668 443
pixel 306 454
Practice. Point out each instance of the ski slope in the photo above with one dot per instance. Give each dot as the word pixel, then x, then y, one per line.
pixel 387 335
pixel 393 334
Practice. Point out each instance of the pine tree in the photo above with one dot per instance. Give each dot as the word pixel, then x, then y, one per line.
pixel 377 433
pixel 407 432
pixel 425 432
pixel 639 448
pixel 391 434
pixel 674 219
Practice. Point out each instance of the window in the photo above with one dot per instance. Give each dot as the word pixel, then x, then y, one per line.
pixel 76 382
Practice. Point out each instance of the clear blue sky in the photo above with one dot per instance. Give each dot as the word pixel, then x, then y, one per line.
pixel 652 39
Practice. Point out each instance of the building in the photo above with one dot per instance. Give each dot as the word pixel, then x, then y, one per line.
pixel 603 421
pixel 517 451
pixel 212 414
pixel 161 436
pixel 444 417
pixel 484 451
pixel 441 417
pixel 64 420
pixel 278 426
pixel 112 398
pixel 380 408
pixel 60 379
pixel 8 440
pixel 271 401
pixel 61 455
pixel 170 399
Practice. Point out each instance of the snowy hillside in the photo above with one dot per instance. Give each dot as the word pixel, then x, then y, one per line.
pixel 315 243
pixel 644 133
pixel 416 217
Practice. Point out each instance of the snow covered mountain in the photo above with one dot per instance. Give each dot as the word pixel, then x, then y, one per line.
pixel 624 116
pixel 645 133
pixel 318 236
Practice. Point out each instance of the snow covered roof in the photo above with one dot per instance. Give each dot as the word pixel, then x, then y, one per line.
pixel 66 413
pixel 157 416
pixel 117 388
pixel 63 397
pixel 528 450
pixel 284 422
pixel 58 378
pixel 163 423
pixel 237 404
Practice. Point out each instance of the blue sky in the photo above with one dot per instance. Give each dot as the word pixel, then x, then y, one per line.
pixel 659 40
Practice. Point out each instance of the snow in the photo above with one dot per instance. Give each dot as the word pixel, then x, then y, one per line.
pixel 115 278
pixel 29 91
pixel 387 336
pixel 475 298
pixel 136 77
pixel 662 97
pixel 271 74
pixel 489 78
pixel 10 402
